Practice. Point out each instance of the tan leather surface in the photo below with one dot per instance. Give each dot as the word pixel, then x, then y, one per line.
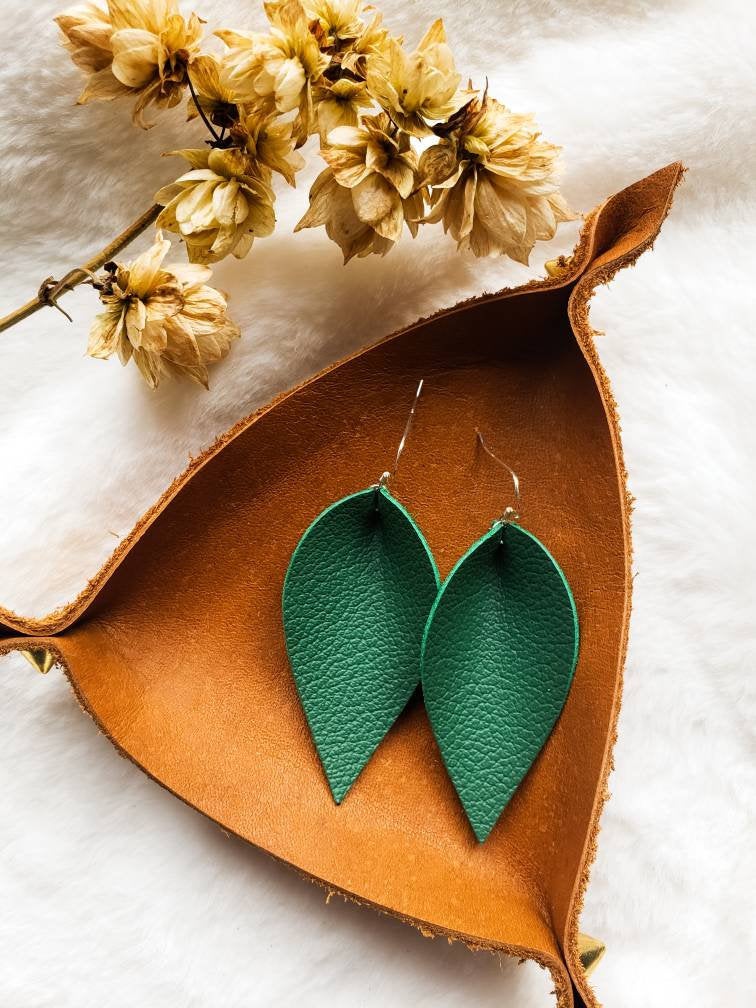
pixel 177 648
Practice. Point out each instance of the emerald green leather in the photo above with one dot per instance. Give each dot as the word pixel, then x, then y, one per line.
pixel 356 598
pixel 498 656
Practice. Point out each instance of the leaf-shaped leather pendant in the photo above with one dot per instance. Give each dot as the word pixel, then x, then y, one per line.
pixel 499 653
pixel 356 598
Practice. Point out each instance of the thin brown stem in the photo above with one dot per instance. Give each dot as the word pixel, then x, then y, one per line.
pixel 201 111
pixel 105 255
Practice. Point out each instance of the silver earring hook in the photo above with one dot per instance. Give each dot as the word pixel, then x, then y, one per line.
pixel 389 474
pixel 511 514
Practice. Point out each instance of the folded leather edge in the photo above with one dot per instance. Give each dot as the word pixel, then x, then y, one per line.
pixel 617 220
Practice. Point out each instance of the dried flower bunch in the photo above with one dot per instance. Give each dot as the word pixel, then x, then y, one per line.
pixel 403 141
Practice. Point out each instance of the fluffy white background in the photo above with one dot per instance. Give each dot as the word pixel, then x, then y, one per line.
pixel 112 891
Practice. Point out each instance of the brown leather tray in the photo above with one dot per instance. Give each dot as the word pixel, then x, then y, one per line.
pixel 176 647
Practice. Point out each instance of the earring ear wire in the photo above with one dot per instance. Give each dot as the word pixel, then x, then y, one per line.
pixel 389 474
pixel 511 514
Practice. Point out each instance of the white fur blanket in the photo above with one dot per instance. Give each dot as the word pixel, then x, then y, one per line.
pixel 112 892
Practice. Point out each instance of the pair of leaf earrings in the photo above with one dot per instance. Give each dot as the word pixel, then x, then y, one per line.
pixel 366 620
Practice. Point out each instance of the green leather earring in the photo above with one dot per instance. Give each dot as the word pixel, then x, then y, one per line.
pixel 498 655
pixel 356 598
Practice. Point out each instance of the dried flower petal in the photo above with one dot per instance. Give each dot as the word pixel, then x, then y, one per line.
pixel 86 34
pixel 373 41
pixel 331 205
pixel 438 163
pixel 339 21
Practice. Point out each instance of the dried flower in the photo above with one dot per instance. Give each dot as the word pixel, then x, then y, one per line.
pixel 419 87
pixel 136 47
pixel 501 196
pixel 376 171
pixel 167 319
pixel 278 69
pixel 340 104
pixel 559 267
pixel 219 207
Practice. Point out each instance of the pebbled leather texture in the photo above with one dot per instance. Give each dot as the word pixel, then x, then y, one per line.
pixel 356 599
pixel 176 646
pixel 498 656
